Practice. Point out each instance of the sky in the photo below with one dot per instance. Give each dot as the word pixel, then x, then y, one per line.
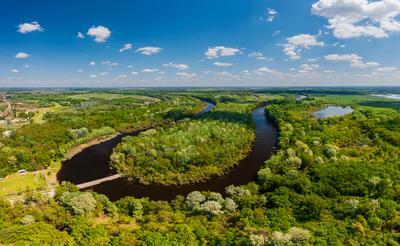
pixel 155 43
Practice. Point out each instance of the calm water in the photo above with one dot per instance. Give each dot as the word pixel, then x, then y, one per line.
pixel 332 111
pixel 93 163
pixel 390 96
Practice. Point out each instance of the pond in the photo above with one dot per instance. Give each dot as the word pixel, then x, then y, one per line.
pixel 93 163
pixel 332 111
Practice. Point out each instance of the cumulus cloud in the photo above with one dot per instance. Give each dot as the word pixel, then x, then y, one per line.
pixel 186 75
pixel 385 69
pixel 308 68
pixel 355 61
pixel 218 51
pixel 14 70
pixel 222 64
pixel 265 70
pixel 257 55
pixel 92 63
pixel 134 73
pixel 80 35
pixel 360 18
pixel 295 44
pixel 271 14
pixel 93 76
pixel 126 47
pixel 30 27
pixel 149 50
pixel 177 66
pixel 121 76
pixel 150 70
pixel 79 70
pixel 100 33
pixel 103 73
pixel 22 55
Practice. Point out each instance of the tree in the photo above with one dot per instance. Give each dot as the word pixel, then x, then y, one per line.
pixel 80 203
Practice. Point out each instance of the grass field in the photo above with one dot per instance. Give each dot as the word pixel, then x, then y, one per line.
pixel 38 117
pixel 109 96
pixel 16 183
pixel 363 102
pixel 351 99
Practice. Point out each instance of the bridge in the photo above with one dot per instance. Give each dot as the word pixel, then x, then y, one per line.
pixel 98 181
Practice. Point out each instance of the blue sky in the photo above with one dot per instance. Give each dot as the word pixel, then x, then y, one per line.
pixel 199 43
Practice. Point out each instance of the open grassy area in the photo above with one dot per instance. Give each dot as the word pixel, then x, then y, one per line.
pixel 38 117
pixel 351 99
pixel 366 102
pixel 16 183
pixel 109 96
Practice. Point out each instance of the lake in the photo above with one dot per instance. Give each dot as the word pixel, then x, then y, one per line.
pixel 332 111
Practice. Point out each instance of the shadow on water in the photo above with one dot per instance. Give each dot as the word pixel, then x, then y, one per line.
pixel 92 163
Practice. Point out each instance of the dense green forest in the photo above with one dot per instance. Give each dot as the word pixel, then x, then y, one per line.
pixel 37 145
pixel 189 151
pixel 332 181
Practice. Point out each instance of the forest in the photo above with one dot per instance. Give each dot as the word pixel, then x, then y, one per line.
pixel 34 146
pixel 331 181
pixel 189 151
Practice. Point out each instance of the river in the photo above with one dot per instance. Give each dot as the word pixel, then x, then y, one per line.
pixel 93 163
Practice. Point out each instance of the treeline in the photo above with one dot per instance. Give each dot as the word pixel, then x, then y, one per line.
pixel 189 151
pixel 34 146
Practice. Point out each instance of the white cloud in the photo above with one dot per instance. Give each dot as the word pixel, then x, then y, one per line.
pixel 103 73
pixel 22 55
pixel 360 18
pixel 295 44
pixel 149 50
pixel 93 76
pixel 222 64
pixel 79 70
pixel 121 76
pixel 329 71
pixel 134 73
pixel 225 75
pixel 100 33
pixel 109 63
pixel 385 69
pixel 265 70
pixel 130 66
pixel 80 35
pixel 344 57
pixel 92 63
pixel 257 55
pixel 308 68
pixel 126 47
pixel 14 70
pixel 356 61
pixel 364 65
pixel 217 51
pixel 30 27
pixel 186 75
pixel 271 14
pixel 150 70
pixel 177 66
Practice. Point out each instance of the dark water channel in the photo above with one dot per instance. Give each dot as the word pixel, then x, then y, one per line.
pixel 93 163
